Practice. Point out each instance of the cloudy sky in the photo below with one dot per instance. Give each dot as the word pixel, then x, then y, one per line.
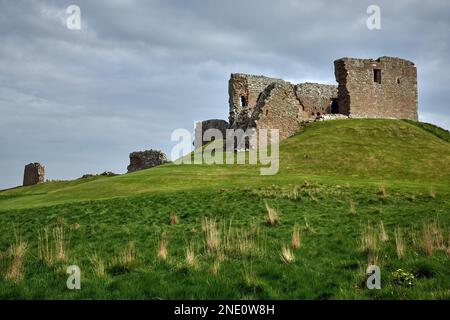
pixel 80 101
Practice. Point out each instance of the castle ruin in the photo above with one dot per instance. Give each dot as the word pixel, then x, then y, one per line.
pixel 367 88
pixel 34 173
pixel 382 88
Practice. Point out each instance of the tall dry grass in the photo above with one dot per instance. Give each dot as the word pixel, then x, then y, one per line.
pixel 212 235
pixel 128 255
pixel 399 243
pixel 45 252
pixel 432 193
pixel 162 251
pixel 174 219
pixel 59 237
pixel 215 268
pixel 295 238
pixel 432 238
pixel 243 240
pixel 382 191
pixel 352 207
pixel 287 255
pixel 448 246
pixel 248 274
pixel 53 246
pixel 98 265
pixel 383 235
pixel 369 240
pixel 15 256
pixel 272 217
pixel 190 256
pixel 308 226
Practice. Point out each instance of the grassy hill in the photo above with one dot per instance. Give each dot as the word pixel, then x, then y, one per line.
pixel 348 193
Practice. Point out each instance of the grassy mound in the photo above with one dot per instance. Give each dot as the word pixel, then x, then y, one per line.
pixel 353 151
pixel 348 194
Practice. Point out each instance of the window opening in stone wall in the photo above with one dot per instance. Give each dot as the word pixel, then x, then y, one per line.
pixel 377 76
pixel 398 80
pixel 243 101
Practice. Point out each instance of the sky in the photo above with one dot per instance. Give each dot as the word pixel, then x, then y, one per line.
pixel 79 101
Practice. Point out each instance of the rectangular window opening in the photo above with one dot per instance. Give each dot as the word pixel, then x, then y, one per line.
pixel 377 76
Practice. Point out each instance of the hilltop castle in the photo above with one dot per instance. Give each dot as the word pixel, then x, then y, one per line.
pixel 367 88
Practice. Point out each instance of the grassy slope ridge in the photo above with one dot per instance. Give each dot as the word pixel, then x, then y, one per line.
pixel 437 131
pixel 351 150
pixel 358 192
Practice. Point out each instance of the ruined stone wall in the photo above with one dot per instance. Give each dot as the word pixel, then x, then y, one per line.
pixel 278 108
pixel 34 173
pixel 146 159
pixel 315 98
pixel 218 124
pixel 391 94
pixel 271 103
pixel 244 91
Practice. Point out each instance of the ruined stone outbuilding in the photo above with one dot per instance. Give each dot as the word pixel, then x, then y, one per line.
pixel 141 160
pixel 34 173
pixel 367 88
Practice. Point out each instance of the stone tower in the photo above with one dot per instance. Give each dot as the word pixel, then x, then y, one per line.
pixel 381 88
pixel 34 173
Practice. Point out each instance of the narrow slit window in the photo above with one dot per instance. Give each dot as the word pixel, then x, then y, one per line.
pixel 243 101
pixel 377 75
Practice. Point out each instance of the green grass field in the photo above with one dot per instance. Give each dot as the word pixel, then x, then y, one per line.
pixel 349 193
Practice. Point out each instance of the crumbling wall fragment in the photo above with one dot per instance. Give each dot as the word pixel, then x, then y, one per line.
pixel 141 160
pixel 34 173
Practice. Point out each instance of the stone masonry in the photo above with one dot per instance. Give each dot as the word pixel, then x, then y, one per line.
pixel 218 124
pixel 316 99
pixel 277 107
pixel 367 88
pixel 381 88
pixel 141 160
pixel 266 103
pixel 34 173
pixel 244 91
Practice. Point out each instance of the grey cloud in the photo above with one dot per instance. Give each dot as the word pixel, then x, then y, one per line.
pixel 80 101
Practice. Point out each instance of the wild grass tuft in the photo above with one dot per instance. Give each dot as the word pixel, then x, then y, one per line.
pixel 399 243
pixel 352 209
pixel 383 235
pixel 15 256
pixel 295 239
pixel 174 219
pixel 98 265
pixel 272 217
pixel 287 255
pixel 191 259
pixel 212 235
pixel 163 245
